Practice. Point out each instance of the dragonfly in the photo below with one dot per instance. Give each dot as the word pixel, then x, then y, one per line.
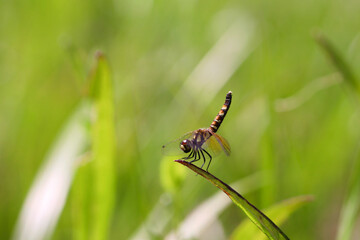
pixel 203 143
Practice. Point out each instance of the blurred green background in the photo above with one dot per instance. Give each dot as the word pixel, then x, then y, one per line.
pixel 171 63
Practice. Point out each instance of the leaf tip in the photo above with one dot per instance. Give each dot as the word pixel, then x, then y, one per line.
pixel 99 54
pixel 183 162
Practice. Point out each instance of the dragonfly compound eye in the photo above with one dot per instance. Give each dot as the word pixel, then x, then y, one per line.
pixel 185 146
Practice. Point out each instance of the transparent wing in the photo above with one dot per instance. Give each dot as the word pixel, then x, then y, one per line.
pixel 173 148
pixel 216 144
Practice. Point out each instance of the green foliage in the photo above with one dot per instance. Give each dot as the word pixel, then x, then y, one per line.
pixel 172 178
pixel 171 64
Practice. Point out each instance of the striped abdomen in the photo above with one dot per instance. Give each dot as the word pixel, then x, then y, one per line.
pixel 222 113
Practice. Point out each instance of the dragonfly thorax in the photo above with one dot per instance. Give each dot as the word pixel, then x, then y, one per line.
pixel 203 143
pixel 185 145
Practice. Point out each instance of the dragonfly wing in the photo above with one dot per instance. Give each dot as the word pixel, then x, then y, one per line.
pixel 217 144
pixel 223 143
pixel 173 148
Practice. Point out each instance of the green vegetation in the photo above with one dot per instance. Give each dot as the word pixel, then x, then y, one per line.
pixel 81 132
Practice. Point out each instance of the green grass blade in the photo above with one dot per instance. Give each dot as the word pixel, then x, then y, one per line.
pixel 338 61
pixel 349 213
pixel 81 201
pixel 48 194
pixel 255 215
pixel 351 206
pixel 280 212
pixel 194 226
pixel 268 164
pixel 103 148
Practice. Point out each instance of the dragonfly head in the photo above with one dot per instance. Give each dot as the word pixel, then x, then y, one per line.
pixel 185 145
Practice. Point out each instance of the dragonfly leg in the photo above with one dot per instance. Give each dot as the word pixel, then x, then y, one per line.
pixel 202 153
pixel 209 160
pixel 196 157
pixel 191 155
